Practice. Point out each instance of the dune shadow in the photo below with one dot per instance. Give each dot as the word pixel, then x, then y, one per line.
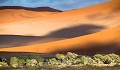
pixel 44 9
pixel 76 31
pixel 18 40
pixel 17 54
pixel 89 50
pixel 94 48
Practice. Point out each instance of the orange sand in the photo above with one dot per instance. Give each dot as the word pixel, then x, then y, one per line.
pixel 105 14
pixel 12 15
pixel 69 44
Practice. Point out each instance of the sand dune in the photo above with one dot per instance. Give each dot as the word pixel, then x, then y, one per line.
pixel 107 41
pixel 16 13
pixel 105 15
pixel 94 29
pixel 18 40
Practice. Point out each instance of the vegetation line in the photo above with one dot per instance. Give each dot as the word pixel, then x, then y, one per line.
pixel 60 61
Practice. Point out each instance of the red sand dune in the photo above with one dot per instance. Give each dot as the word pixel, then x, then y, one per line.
pixel 105 15
pixel 17 13
pixel 78 43
pixel 102 16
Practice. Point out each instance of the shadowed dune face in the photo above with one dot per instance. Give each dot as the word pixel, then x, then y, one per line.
pixel 90 50
pixel 107 41
pixel 76 31
pixel 94 48
pixel 41 9
pixel 15 54
pixel 18 40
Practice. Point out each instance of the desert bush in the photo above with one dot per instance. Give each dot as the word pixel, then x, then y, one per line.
pixel 3 65
pixel 67 60
pixel 30 60
pixel 31 63
pixel 99 58
pixel 35 56
pixel 60 56
pixel 115 58
pixel 87 60
pixel 78 61
pixel 14 62
pixel 62 61
pixel 32 56
pixel 54 63
pixel 41 64
pixel 72 55
pixel 21 62
pixel 110 59
pixel 17 62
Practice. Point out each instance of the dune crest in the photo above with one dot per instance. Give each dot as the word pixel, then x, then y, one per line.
pixel 17 13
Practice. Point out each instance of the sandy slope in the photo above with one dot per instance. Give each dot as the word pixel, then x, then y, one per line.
pixel 11 15
pixel 105 15
pixel 73 23
pixel 82 44
pixel 17 13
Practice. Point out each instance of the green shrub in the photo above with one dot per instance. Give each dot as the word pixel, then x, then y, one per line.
pixel 72 55
pixel 99 58
pixel 17 62
pixel 87 60
pixel 21 62
pixel 41 64
pixel 60 56
pixel 62 61
pixel 31 63
pixel 14 62
pixel 69 59
pixel 32 56
pixel 3 65
pixel 78 61
pixel 115 58
pixel 53 61
pixel 111 59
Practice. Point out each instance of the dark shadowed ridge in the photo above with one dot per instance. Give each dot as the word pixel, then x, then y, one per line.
pixel 48 9
pixel 90 50
pixel 18 40
pixel 69 32
pixel 76 31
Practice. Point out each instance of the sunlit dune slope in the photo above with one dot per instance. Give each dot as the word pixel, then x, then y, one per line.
pixel 15 13
pixel 106 15
pixel 79 44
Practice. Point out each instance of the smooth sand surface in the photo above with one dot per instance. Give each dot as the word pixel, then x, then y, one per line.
pixel 104 15
pixel 13 15
pixel 96 31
